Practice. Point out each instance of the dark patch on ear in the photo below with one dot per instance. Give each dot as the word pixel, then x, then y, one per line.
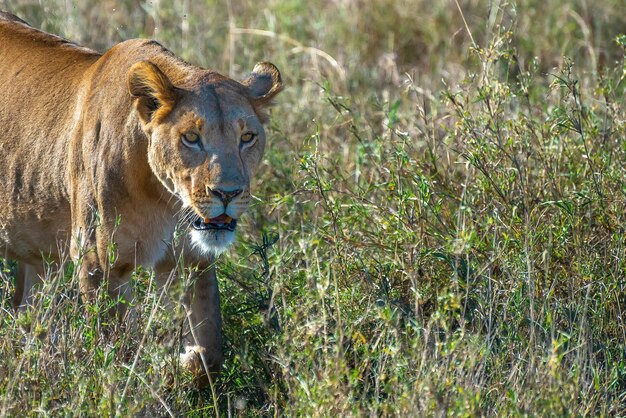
pixel 151 106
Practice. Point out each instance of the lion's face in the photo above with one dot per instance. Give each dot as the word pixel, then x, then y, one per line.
pixel 205 151
pixel 206 141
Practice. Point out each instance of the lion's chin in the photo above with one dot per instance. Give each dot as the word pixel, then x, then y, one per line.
pixel 212 241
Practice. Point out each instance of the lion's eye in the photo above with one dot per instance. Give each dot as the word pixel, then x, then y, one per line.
pixel 191 139
pixel 248 137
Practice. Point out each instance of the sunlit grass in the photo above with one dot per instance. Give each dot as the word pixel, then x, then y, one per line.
pixel 438 230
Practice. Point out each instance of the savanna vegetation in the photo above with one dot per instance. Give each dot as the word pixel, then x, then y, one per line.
pixel 439 226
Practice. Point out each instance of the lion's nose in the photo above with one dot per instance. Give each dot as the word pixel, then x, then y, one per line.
pixel 226 196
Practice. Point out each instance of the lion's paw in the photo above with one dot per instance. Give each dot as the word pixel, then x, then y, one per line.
pixel 196 360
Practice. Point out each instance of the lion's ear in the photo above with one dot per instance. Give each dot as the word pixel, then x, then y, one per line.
pixel 264 83
pixel 154 93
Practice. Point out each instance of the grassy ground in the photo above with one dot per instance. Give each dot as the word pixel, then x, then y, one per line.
pixel 439 226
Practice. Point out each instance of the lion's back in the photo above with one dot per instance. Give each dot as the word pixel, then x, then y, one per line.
pixel 40 76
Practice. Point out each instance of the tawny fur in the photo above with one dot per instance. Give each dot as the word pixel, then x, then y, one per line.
pixel 91 151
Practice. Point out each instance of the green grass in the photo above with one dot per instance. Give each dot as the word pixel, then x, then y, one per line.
pixel 438 230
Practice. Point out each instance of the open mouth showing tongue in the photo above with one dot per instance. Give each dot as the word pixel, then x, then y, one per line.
pixel 219 222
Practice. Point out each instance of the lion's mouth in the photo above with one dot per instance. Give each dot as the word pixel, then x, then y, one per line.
pixel 222 222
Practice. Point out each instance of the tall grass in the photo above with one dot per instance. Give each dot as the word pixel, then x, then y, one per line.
pixel 439 226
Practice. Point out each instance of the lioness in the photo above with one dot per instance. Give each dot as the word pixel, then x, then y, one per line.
pixel 122 147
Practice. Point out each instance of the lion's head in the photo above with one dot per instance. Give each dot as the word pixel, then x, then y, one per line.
pixel 206 139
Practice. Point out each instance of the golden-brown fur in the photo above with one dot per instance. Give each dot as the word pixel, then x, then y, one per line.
pixel 117 147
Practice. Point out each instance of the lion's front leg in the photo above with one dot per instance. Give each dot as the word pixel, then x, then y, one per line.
pixel 26 279
pixel 87 266
pixel 202 348
pixel 83 244
pixel 94 277
pixel 95 274
pixel 203 341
